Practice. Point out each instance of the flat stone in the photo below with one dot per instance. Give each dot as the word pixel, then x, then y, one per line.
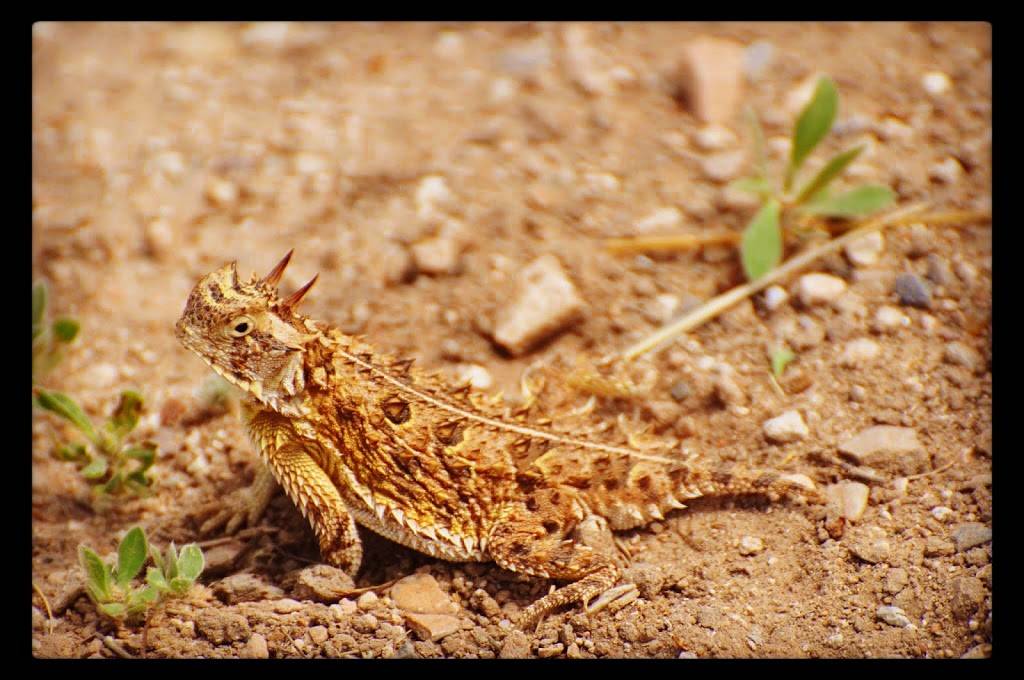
pixel 815 289
pixel 245 587
pixel 912 291
pixel 970 534
pixel 968 593
pixel 870 544
pixel 849 498
pixel 420 594
pixel 887 447
pixel 894 616
pixel 788 427
pixel 322 583
pixel 546 302
pixel 710 78
pixel 432 627
pixel 221 558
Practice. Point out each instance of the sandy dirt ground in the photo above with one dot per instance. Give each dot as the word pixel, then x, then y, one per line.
pixel 418 168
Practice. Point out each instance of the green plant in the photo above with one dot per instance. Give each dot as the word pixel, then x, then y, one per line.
pixel 780 359
pixel 48 340
pixel 110 587
pixel 784 207
pixel 113 467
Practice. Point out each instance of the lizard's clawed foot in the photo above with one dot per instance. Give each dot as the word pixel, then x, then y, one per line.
pixel 244 507
pixel 616 598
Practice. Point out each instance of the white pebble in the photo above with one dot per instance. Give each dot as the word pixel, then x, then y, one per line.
pixel 788 427
pixel 724 165
pixel 948 171
pixel 866 250
pixel 714 137
pixel 894 616
pixel 936 82
pixel 474 374
pixel 432 192
pixel 661 219
pixel 851 497
pixel 751 545
pixel 942 513
pixel 859 351
pixel 889 318
pixel 775 297
pixel 814 289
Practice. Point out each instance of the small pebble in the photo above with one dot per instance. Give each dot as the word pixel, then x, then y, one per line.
pixel 757 57
pixel 896 580
pixel 367 600
pixel 935 546
pixel 751 545
pixel 775 297
pixel 936 83
pixel 942 513
pixel 710 78
pixel 911 291
pixel 681 390
pixel 724 165
pixel 714 137
pixel 858 352
pixel 815 289
pixel 939 272
pixel 962 355
pixel 949 171
pixel 786 428
pixel 546 302
pixel 894 616
pixel 256 648
pixel 858 393
pixel 870 544
pixel 850 497
pixel 887 447
pixel 866 250
pixel 662 219
pixel 889 319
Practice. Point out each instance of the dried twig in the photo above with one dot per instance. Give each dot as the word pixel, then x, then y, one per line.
pixel 717 305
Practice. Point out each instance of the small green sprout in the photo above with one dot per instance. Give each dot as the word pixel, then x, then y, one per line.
pixel 112 466
pixel 762 241
pixel 110 586
pixel 780 359
pixel 48 340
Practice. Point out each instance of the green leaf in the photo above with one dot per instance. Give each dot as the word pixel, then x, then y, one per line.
pixel 761 186
pixel 191 562
pixel 854 203
pixel 66 408
pixel 38 306
pixel 813 124
pixel 126 415
pixel 155 578
pixel 180 585
pixel 96 572
pixel 65 329
pixel 131 555
pixel 141 598
pixel 781 359
pixel 114 610
pixel 145 454
pixel 828 173
pixel 171 562
pixel 74 452
pixel 761 246
pixel 113 485
pixel 95 469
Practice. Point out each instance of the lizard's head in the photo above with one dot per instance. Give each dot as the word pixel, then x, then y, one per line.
pixel 247 333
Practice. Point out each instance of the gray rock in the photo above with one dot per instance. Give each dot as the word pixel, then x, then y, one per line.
pixel 969 535
pixel 887 447
pixel 894 616
pixel 681 390
pixel 912 291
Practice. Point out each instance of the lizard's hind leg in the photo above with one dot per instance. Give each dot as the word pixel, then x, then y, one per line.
pixel 542 537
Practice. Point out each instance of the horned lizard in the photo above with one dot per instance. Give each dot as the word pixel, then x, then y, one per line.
pixel 356 437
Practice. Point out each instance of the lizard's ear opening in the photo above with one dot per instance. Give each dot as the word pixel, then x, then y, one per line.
pixel 295 298
pixel 274 277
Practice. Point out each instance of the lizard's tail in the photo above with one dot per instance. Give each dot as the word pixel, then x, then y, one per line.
pixel 647 491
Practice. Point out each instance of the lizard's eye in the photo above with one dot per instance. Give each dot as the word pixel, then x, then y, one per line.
pixel 241 326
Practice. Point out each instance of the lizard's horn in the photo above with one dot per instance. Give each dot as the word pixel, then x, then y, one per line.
pixel 296 297
pixel 274 277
